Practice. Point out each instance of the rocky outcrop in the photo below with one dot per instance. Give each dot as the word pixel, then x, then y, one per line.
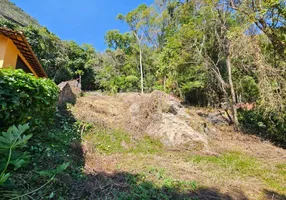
pixel 162 116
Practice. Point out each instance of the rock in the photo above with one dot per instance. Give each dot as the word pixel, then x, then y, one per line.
pixel 163 117
pixel 66 94
pixel 173 131
pixel 218 118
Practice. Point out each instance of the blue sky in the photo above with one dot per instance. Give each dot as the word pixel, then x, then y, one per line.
pixel 84 21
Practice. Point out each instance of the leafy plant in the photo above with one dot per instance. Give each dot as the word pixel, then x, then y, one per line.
pixel 26 99
pixel 9 142
pixel 53 172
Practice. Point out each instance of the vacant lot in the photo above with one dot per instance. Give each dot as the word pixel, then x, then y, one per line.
pixel 125 165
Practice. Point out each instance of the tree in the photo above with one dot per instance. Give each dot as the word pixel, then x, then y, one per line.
pixel 115 40
pixel 138 23
pixel 269 17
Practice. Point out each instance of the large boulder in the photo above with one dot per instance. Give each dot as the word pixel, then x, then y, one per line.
pixel 162 116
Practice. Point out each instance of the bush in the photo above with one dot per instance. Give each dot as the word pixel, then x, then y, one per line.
pixel 26 99
pixel 268 125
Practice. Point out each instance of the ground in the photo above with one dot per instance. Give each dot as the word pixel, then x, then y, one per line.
pixel 108 159
pixel 233 165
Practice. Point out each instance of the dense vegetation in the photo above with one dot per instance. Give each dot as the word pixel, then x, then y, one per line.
pixel 26 99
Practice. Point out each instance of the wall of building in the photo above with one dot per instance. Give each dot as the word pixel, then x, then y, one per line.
pixel 3 44
pixel 11 54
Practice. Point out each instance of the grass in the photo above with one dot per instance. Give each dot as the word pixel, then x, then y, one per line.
pixel 229 166
pixel 239 165
pixel 141 168
pixel 108 141
pixel 161 187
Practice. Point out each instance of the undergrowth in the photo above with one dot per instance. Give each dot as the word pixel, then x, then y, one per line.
pixel 51 152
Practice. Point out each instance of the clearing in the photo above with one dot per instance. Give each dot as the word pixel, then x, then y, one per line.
pixel 209 161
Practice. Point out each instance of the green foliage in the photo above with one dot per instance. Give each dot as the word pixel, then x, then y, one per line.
pixel 114 39
pixel 26 99
pixel 10 142
pixel 249 89
pixel 54 154
pixel 53 172
pixel 269 125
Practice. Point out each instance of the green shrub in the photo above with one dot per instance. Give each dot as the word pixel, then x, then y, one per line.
pixel 26 99
pixel 268 125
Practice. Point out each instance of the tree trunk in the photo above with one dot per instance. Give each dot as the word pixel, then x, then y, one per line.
pixel 165 83
pixel 141 71
pixel 79 84
pixel 233 98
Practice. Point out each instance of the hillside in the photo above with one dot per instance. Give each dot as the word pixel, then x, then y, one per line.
pixel 11 12
pixel 130 127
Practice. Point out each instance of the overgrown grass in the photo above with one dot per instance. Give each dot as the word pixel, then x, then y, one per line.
pixel 108 141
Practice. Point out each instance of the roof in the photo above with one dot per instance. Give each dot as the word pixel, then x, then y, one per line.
pixel 21 43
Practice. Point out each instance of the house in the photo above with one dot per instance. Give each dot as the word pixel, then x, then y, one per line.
pixel 16 53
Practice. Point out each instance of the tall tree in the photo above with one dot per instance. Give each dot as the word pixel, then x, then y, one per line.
pixel 138 21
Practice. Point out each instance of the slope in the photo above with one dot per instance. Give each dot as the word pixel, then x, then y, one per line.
pixel 9 11
pixel 233 165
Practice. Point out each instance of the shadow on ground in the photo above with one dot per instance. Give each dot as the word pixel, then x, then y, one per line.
pixel 123 185
pixel 274 195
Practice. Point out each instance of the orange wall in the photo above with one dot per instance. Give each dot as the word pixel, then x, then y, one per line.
pixel 11 54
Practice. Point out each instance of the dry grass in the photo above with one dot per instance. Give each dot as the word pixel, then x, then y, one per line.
pixel 234 166
pixel 229 172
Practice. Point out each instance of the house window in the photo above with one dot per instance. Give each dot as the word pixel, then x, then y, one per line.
pixel 21 65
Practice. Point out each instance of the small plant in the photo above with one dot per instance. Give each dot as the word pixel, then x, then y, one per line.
pixel 10 141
